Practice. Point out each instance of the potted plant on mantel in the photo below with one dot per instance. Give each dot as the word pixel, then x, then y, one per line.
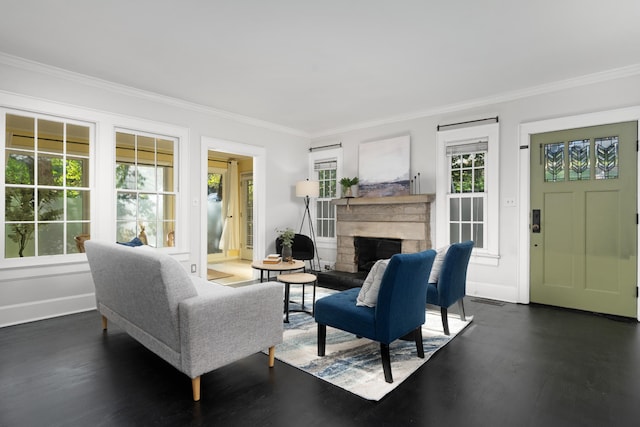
pixel 347 183
pixel 286 238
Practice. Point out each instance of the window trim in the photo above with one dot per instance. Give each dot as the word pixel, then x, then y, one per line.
pixel 489 132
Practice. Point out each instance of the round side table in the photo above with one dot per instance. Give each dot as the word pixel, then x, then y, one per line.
pixel 298 279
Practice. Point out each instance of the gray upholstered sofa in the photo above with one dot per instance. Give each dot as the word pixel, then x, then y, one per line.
pixel 194 325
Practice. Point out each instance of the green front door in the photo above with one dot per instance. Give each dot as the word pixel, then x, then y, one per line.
pixel 583 218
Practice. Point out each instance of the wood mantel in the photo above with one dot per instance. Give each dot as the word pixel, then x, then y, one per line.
pixel 414 198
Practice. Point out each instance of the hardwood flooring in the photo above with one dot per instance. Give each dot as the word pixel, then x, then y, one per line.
pixel 516 365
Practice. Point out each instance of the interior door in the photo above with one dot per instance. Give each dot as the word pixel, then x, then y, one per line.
pixel 246 213
pixel 583 218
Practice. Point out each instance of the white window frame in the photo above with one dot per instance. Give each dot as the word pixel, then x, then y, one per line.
pixel 332 154
pixel 490 254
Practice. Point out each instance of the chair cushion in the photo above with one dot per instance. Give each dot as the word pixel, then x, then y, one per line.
pixel 340 311
pixel 368 295
pixel 437 264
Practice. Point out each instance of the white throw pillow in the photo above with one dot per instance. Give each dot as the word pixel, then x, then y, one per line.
pixel 368 295
pixel 437 264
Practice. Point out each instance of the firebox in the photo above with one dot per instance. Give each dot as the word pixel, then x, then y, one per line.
pixel 368 250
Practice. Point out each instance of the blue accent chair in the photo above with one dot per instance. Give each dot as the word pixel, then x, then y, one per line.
pixel 452 283
pixel 399 312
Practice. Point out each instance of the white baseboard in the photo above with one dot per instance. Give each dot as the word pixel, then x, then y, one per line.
pixel 45 309
pixel 492 291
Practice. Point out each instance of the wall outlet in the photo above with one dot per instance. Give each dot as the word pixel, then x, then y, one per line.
pixel 193 268
pixel 509 202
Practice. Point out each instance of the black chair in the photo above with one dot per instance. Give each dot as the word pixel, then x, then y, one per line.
pixel 302 248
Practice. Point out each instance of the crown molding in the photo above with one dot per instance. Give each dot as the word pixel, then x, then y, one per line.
pixel 28 65
pixel 589 79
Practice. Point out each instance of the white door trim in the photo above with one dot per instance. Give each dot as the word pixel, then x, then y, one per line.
pixel 259 193
pixel 551 125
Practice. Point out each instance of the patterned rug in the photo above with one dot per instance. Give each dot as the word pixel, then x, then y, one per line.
pixel 354 363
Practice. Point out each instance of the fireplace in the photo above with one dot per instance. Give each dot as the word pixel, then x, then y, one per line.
pixel 371 249
pixel 402 219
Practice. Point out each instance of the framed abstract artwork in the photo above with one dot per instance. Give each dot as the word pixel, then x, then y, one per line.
pixel 384 167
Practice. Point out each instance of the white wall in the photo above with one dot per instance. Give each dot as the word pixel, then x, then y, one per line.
pixel 40 291
pixel 499 282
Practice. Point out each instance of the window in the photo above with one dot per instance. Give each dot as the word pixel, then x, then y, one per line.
pixel 146 188
pixel 467 205
pixel 47 189
pixel 326 174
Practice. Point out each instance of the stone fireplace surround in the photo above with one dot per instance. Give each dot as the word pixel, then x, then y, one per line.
pixel 406 218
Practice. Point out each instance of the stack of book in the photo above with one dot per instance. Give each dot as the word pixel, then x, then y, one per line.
pixel 272 259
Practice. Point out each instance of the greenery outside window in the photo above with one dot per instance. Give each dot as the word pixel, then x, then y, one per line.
pixel 145 188
pixel 47 188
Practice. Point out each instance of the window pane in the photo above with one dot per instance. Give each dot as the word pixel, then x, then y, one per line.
pixel 454 232
pixel 77 172
pixel 20 131
pixel 479 160
pixel 166 207
pixel 478 209
pixel 19 204
pixel 76 229
pixel 478 236
pixel 147 207
pixel 456 186
pixel 127 206
pixel 125 231
pixel 78 140
pixel 478 180
pixel 19 240
pixel 50 171
pixel 467 186
pixel 19 168
pixel 50 136
pixel 78 205
pixel 465 209
pixel 50 205
pixel 50 239
pixel 165 162
pixel 125 161
pixel 606 157
pixel 579 161
pixel 454 209
pixel 146 158
pixel 465 232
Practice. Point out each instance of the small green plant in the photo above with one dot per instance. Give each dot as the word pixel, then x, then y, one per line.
pixel 348 182
pixel 286 236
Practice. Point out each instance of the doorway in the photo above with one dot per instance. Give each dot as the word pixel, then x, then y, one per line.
pixel 231 212
pixel 583 227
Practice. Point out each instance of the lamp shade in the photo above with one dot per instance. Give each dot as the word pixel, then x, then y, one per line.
pixel 307 188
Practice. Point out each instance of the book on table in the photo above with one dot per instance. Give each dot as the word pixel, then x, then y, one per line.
pixel 272 259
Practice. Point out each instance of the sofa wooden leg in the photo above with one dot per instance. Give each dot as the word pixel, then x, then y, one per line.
pixel 195 386
pixel 104 323
pixel 272 356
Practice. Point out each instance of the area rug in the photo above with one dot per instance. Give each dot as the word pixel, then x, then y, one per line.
pixel 215 274
pixel 354 363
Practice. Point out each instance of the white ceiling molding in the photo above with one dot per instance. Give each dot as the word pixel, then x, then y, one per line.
pixel 28 65
pixel 603 76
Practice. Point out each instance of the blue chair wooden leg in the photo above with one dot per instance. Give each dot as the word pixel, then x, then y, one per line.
pixel 461 310
pixel 322 337
pixel 445 320
pixel 386 362
pixel 419 346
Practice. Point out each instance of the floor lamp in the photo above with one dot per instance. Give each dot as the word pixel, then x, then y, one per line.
pixel 309 189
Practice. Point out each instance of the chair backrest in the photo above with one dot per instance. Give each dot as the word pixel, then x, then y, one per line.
pixel 452 283
pixel 403 291
pixel 301 249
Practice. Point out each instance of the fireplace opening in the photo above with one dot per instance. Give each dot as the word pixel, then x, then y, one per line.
pixel 370 249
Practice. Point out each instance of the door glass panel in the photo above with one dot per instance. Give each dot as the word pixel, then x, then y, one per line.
pixel 554 162
pixel 579 160
pixel 606 157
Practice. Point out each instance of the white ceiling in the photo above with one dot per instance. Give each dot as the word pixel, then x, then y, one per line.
pixel 321 65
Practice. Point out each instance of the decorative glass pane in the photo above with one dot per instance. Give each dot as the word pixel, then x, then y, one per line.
pixel 19 204
pixel 19 168
pixel 50 136
pixel 606 157
pixel 78 140
pixel 50 170
pixel 579 160
pixel 20 131
pixel 554 162
pixel 19 240
pixel 50 239
pixel 50 205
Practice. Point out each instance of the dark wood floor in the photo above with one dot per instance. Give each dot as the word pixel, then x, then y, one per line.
pixel 516 365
